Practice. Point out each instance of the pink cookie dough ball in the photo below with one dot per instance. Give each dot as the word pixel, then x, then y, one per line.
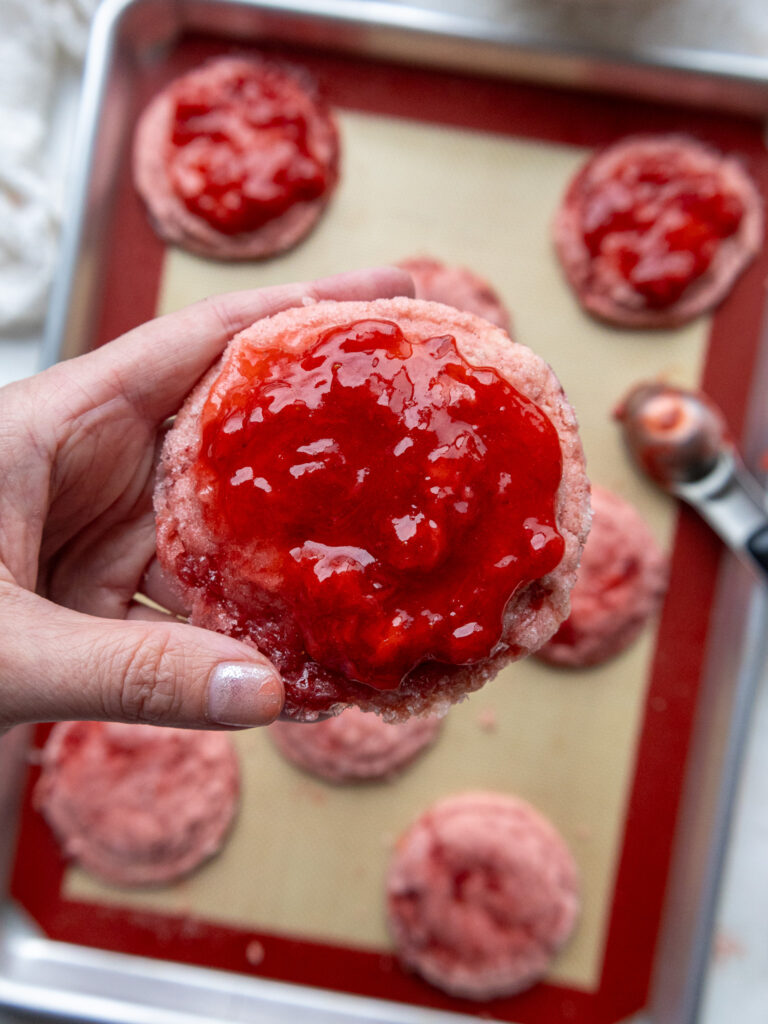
pixel 621 584
pixel 461 287
pixel 354 746
pixel 138 804
pixel 482 893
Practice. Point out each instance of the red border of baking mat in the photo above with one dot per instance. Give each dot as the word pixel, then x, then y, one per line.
pixel 133 261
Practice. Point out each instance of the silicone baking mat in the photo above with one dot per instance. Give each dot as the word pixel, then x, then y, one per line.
pixel 470 170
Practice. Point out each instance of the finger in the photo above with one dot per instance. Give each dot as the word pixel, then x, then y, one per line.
pixel 155 366
pixel 98 572
pixel 66 665
pixel 157 588
pixel 95 557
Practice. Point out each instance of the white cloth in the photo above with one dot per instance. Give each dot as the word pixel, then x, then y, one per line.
pixel 36 36
pixel 70 24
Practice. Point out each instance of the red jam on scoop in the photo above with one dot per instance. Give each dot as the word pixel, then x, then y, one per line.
pixel 393 496
pixel 658 222
pixel 241 150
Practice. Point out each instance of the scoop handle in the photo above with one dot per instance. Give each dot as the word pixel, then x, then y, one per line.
pixel 733 503
pixel 757 546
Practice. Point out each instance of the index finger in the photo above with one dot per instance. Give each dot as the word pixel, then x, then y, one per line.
pixel 154 366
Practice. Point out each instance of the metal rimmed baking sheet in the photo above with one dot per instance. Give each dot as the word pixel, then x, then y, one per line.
pixel 138 49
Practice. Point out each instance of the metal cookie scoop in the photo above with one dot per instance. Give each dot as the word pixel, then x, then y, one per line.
pixel 679 438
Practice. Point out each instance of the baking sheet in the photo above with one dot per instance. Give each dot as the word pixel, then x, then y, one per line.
pixel 565 741
pixel 570 742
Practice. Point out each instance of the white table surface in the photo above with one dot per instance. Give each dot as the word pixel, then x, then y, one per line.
pixel 737 987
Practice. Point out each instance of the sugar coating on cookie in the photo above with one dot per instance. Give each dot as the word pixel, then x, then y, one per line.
pixel 621 584
pixel 461 287
pixel 354 542
pixel 354 746
pixel 655 229
pixel 482 893
pixel 236 159
pixel 138 804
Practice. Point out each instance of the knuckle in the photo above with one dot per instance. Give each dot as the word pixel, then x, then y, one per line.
pixel 219 309
pixel 148 681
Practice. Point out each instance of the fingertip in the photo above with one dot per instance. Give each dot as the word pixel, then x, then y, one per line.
pixel 384 282
pixel 244 694
pixel 400 282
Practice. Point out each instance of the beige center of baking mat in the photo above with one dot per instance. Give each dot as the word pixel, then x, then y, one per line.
pixel 307 859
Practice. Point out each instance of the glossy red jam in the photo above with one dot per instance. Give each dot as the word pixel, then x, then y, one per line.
pixel 658 222
pixel 241 150
pixel 393 496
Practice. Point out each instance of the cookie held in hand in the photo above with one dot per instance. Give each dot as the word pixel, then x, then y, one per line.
pixel 387 498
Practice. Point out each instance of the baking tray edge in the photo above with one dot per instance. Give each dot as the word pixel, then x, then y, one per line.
pixel 45 977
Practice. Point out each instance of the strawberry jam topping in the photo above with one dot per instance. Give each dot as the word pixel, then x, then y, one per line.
pixel 243 149
pixel 657 222
pixel 392 495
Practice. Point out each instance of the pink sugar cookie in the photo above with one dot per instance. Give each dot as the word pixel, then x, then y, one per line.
pixel 655 229
pixel 138 804
pixel 621 583
pixel 236 159
pixel 241 586
pixel 354 746
pixel 482 893
pixel 461 287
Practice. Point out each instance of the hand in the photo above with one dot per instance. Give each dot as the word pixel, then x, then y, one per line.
pixel 78 449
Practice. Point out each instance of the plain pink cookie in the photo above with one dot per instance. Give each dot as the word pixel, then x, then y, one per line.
pixel 250 156
pixel 354 746
pixel 621 583
pixel 138 804
pixel 456 286
pixel 246 601
pixel 655 229
pixel 482 893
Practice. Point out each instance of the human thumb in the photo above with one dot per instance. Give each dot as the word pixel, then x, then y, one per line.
pixel 57 664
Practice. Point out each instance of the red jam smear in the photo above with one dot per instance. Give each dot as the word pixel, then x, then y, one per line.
pixel 392 495
pixel 241 150
pixel 658 222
